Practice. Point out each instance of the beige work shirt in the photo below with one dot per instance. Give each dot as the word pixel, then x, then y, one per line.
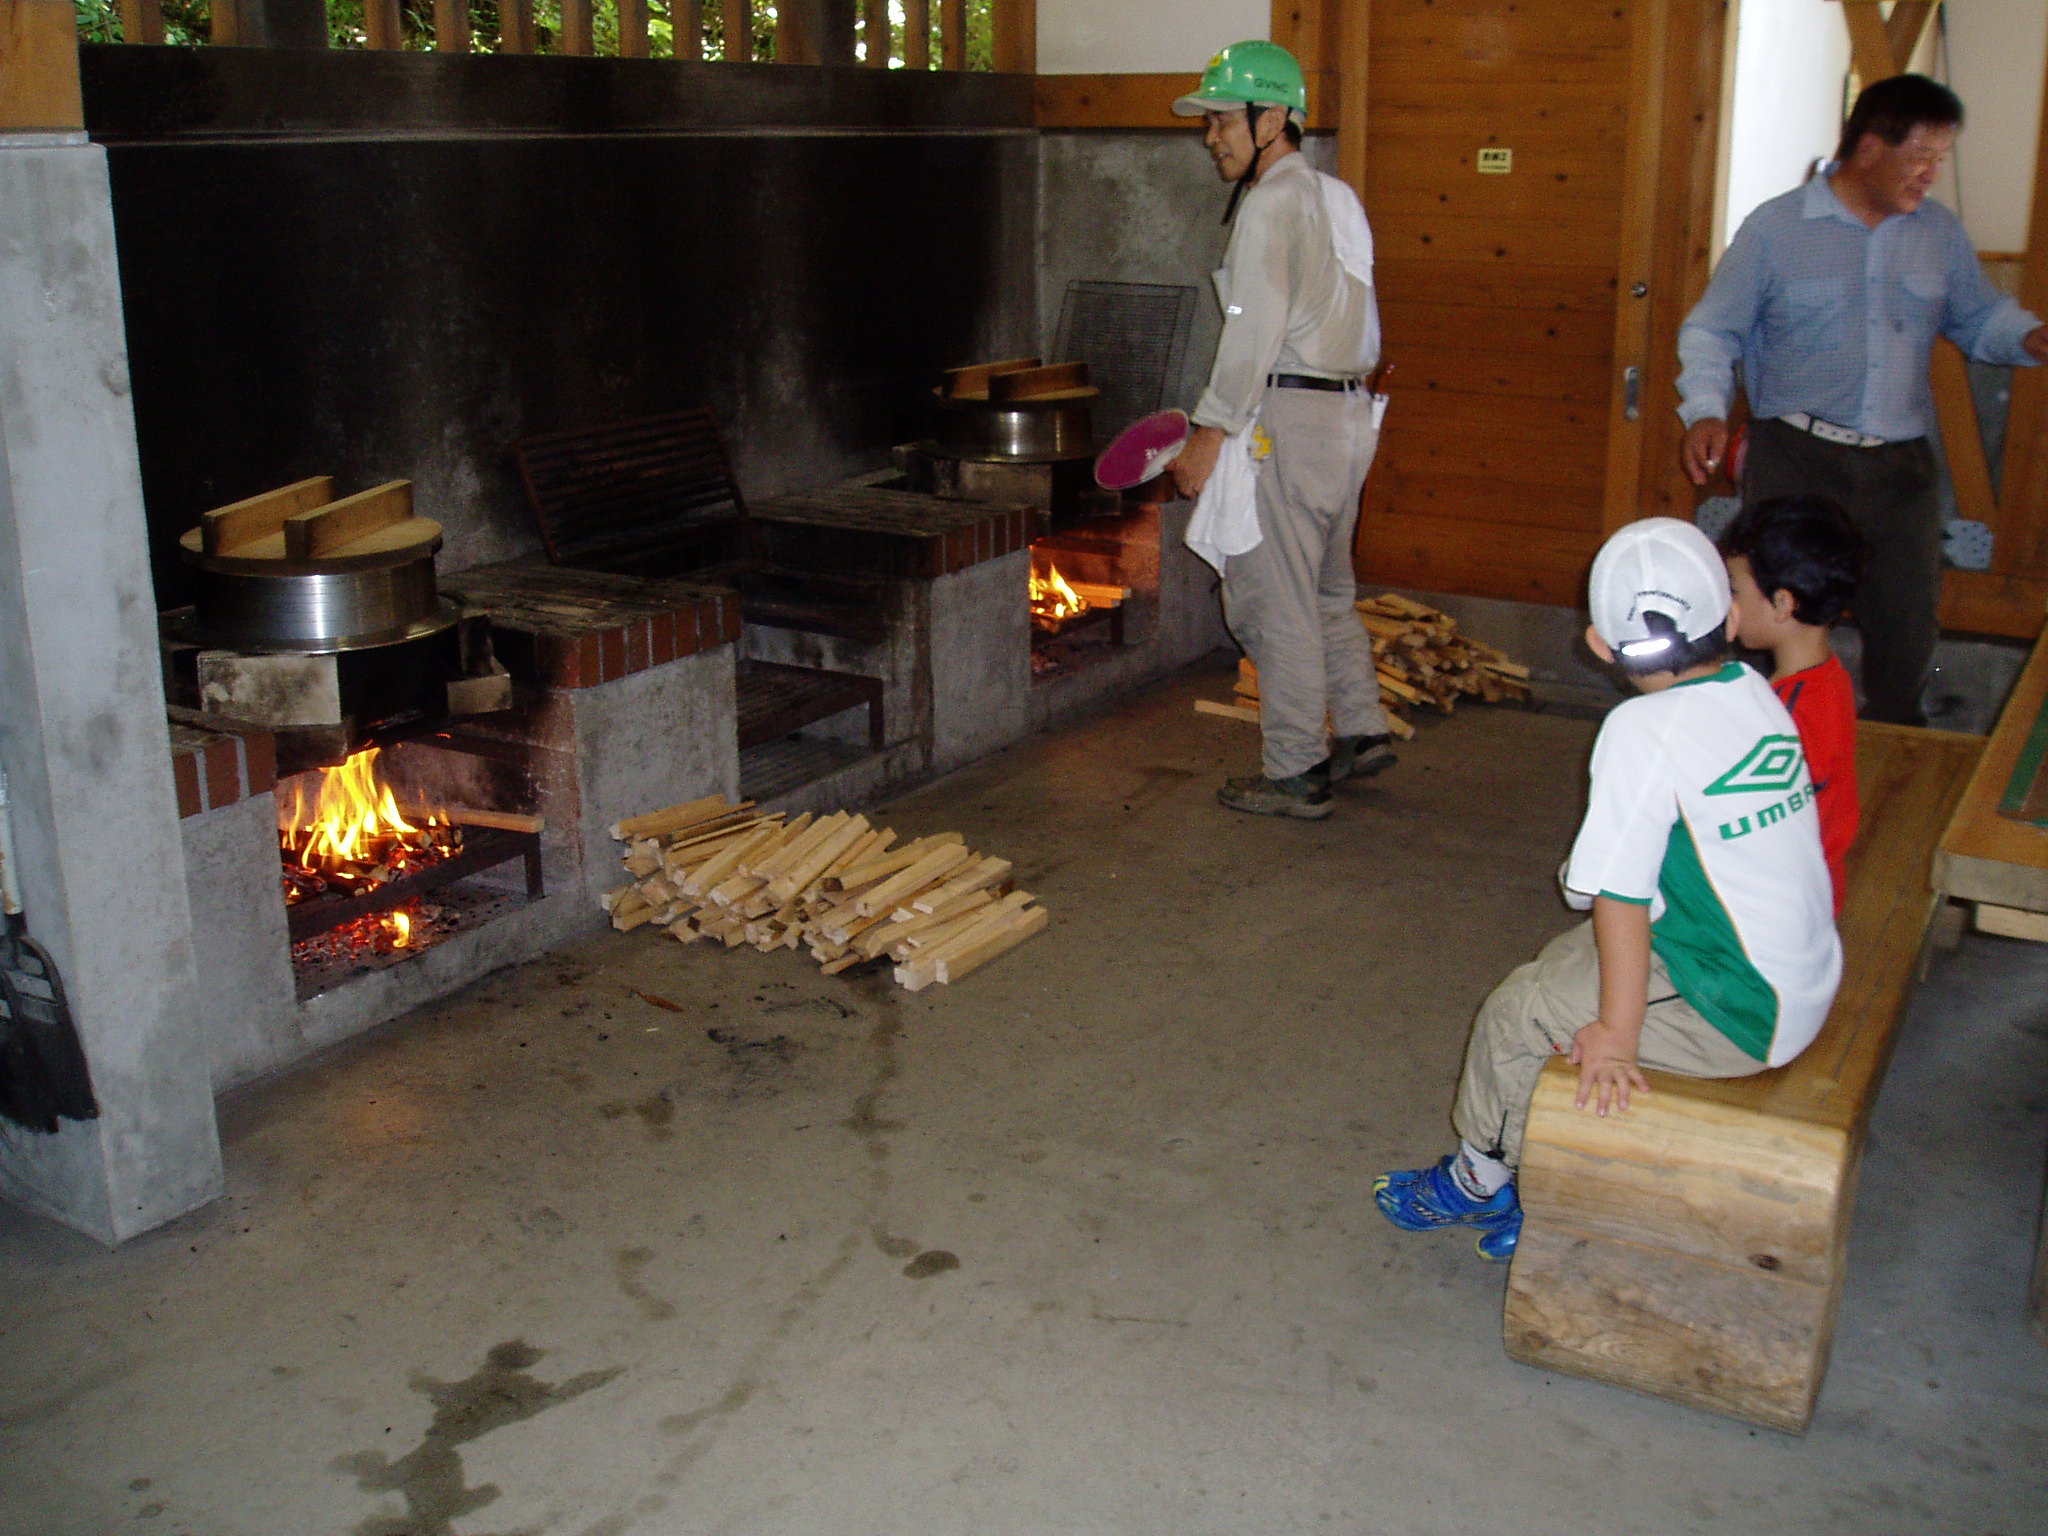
pixel 1288 304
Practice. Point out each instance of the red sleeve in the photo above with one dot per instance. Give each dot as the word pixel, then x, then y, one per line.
pixel 1822 702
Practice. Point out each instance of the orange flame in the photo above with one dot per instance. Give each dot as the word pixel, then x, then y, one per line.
pixel 351 812
pixel 401 929
pixel 1052 598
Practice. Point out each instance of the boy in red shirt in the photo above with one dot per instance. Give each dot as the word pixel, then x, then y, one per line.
pixel 1793 564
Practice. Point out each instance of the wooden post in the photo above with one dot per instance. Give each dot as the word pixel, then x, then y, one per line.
pixel 142 21
pixel 875 32
pixel 2022 545
pixel 224 23
pixel 952 34
pixel 39 65
pixel 382 25
pixel 1014 44
pixel 686 21
pixel 633 29
pixel 1349 24
pixel 515 26
pixel 737 18
pixel 795 42
pixel 917 34
pixel 451 26
pixel 577 38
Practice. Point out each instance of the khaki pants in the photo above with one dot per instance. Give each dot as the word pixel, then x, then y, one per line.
pixel 1533 1016
pixel 1288 602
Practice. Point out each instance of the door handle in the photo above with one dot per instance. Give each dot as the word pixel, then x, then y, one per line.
pixel 1631 392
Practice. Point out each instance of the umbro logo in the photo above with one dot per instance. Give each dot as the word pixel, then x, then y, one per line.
pixel 1774 763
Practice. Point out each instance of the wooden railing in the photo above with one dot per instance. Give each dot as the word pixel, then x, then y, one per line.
pixel 890 33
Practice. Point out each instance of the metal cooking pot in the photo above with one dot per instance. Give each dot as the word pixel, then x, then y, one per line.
pixel 318 607
pixel 1022 431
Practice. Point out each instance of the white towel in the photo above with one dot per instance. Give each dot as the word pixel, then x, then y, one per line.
pixel 1226 520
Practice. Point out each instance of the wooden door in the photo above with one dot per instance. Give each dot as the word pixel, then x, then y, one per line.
pixel 1515 302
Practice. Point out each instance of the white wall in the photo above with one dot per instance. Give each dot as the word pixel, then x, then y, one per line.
pixel 1791 57
pixel 1136 37
pixel 1996 52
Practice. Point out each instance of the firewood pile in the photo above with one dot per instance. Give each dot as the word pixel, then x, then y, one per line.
pixel 846 891
pixel 1421 659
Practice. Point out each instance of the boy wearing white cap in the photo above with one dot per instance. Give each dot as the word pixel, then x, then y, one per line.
pixel 1712 949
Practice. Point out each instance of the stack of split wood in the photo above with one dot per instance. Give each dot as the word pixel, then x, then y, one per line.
pixel 1421 659
pixel 835 885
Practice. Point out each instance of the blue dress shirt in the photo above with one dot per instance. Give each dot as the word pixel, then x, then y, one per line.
pixel 1836 319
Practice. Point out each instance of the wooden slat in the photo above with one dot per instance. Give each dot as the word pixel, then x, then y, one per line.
pixel 1985 856
pixel 1523 335
pixel 1542 64
pixel 224 23
pixel 1353 65
pixel 577 37
pixel 515 26
pixel 917 34
pixel 1485 285
pixel 1576 380
pixel 1637 247
pixel 451 26
pixel 1436 555
pixel 383 28
pixel 875 33
pixel 1535 242
pixel 39 65
pixel 952 34
pixel 1014 36
pixel 736 18
pixel 322 530
pixel 686 19
pixel 794 42
pixel 142 21
pixel 227 529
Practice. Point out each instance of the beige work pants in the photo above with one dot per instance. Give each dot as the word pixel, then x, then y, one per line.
pixel 1288 602
pixel 1533 1016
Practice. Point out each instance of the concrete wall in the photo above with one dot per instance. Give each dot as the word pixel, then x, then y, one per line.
pixel 400 264
pixel 1100 37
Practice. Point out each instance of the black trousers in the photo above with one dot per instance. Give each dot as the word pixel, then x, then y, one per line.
pixel 1892 496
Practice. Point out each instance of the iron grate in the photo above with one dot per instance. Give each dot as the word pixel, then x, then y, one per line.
pixel 1134 339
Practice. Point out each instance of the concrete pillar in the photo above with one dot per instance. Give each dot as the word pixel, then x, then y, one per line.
pixel 83 737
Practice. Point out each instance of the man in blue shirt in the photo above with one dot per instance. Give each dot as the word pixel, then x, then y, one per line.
pixel 1830 298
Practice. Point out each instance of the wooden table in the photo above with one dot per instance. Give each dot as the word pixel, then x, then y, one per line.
pixel 2002 864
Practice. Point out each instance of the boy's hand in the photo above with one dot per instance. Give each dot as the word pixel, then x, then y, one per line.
pixel 1606 1059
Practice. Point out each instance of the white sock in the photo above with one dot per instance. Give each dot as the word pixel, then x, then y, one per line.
pixel 1480 1176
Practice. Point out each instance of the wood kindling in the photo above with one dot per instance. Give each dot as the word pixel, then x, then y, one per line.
pixel 834 885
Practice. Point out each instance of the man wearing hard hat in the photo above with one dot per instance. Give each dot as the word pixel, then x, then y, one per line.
pixel 1285 433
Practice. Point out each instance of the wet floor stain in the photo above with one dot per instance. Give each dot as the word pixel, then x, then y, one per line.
pixel 430 1477
pixel 657 1112
pixel 632 1261
pixel 757 1066
pixel 894 1247
pixel 933 1261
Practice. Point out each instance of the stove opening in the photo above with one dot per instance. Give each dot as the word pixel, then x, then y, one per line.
pixel 1072 621
pixel 373 877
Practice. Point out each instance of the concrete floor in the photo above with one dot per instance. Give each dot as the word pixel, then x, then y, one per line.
pixel 1085 1244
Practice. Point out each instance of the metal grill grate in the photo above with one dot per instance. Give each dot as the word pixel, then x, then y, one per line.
pixel 1134 339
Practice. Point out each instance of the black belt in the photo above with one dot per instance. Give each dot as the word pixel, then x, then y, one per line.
pixel 1310 381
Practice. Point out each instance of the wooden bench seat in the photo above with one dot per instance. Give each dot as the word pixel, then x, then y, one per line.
pixel 1694 1248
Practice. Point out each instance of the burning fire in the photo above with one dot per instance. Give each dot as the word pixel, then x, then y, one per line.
pixel 347 833
pixel 399 925
pixel 1052 600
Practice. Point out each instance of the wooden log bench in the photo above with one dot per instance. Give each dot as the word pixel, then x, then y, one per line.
pixel 1694 1248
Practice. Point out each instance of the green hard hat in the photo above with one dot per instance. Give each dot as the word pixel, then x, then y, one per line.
pixel 1248 73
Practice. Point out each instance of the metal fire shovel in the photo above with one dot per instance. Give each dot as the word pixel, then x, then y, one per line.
pixel 42 1065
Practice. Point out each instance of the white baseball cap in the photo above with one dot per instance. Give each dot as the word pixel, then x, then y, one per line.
pixel 1657 565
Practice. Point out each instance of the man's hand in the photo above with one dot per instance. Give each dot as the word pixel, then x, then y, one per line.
pixel 1706 444
pixel 1606 1059
pixel 2036 343
pixel 1197 461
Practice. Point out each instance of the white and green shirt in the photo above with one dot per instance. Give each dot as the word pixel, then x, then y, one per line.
pixel 1702 808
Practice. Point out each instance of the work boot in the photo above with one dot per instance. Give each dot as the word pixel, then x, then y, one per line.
pixel 1359 757
pixel 1299 796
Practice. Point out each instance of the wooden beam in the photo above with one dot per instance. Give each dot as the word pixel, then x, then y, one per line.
pixel 224 23
pixel 1146 101
pixel 451 26
pixel 1991 603
pixel 952 34
pixel 142 21
pixel 1962 440
pixel 515 26
pixel 2023 487
pixel 794 43
pixel 736 21
pixel 1014 44
pixel 1870 46
pixel 578 37
pixel 383 28
pixel 917 34
pixel 1351 56
pixel 633 41
pixel 1904 28
pixel 39 65
pixel 875 33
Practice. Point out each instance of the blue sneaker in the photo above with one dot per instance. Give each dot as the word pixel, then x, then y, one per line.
pixel 1424 1199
